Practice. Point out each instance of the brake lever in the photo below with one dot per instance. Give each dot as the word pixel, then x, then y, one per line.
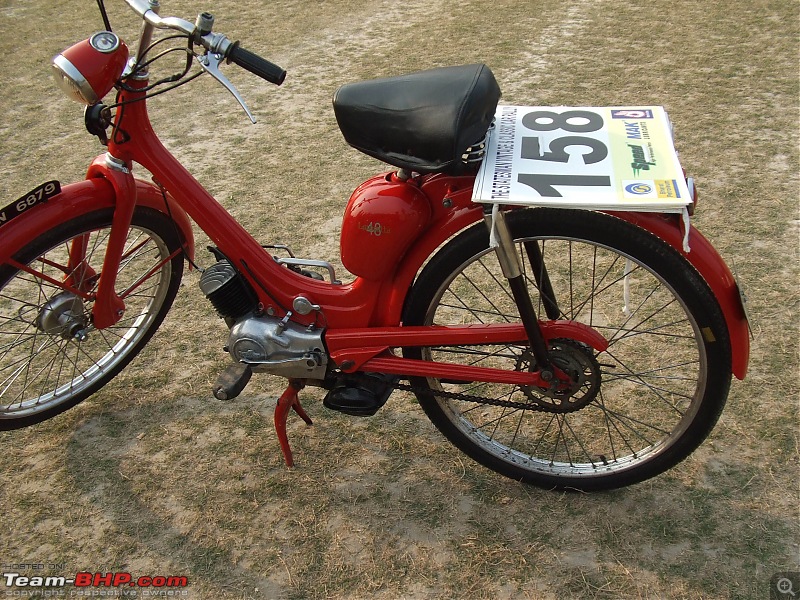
pixel 210 63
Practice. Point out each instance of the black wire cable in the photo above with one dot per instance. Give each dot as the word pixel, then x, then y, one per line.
pixel 141 66
pixel 148 96
pixel 104 14
pixel 178 233
pixel 190 55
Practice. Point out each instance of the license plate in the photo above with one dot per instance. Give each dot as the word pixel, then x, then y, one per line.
pixel 37 195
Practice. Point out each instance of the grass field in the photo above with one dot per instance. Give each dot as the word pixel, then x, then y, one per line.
pixel 154 477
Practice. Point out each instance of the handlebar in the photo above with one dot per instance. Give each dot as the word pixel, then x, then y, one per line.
pixel 213 42
pixel 255 64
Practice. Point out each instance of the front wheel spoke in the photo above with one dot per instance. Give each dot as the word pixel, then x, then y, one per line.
pixel 6 320
pixel 24 367
pixel 123 325
pixel 49 341
pixel 45 387
pixel 154 271
pixel 134 252
pixel 108 332
pixel 47 366
pixel 22 338
pixel 139 294
pixel 80 351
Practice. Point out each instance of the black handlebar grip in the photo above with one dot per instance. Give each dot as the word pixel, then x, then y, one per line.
pixel 256 65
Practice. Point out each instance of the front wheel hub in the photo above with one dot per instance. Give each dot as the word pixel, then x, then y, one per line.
pixel 63 315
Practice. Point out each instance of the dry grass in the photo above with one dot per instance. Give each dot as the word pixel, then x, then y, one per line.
pixel 154 477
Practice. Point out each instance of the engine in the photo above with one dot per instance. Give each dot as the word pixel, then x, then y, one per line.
pixel 279 347
pixel 267 344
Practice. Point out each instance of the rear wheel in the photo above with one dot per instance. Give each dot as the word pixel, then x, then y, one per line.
pixel 632 411
pixel 51 356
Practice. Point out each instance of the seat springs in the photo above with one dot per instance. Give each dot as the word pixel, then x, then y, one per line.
pixel 474 154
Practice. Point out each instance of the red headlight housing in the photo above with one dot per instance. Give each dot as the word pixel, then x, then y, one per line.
pixel 88 70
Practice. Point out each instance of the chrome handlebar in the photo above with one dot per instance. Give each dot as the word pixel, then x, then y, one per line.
pixel 217 45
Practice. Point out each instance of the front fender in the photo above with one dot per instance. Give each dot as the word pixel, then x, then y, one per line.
pixel 80 198
pixel 705 258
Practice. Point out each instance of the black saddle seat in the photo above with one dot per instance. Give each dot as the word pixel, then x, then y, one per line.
pixel 422 122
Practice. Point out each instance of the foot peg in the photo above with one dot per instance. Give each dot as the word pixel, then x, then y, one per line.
pixel 232 381
pixel 360 395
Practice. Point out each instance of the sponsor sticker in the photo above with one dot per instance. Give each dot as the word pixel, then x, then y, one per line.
pixel 632 113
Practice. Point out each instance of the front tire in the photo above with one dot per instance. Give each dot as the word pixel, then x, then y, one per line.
pixel 636 409
pixel 51 357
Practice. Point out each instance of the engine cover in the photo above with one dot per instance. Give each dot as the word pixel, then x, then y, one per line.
pixel 279 347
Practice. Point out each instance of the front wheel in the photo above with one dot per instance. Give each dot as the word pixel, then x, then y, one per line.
pixel 51 356
pixel 634 410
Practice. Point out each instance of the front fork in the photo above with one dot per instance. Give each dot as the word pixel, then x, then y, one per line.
pixel 109 307
pixel 500 239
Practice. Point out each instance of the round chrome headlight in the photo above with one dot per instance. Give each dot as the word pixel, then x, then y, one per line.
pixel 72 82
pixel 88 70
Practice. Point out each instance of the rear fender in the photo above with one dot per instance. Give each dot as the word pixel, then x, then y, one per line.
pixel 461 213
pixel 83 197
pixel 705 258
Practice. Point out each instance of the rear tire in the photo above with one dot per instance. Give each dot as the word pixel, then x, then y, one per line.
pixel 643 405
pixel 51 357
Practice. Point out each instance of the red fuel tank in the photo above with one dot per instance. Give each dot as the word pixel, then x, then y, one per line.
pixel 382 219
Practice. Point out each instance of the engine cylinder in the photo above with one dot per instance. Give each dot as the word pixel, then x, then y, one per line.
pixel 229 292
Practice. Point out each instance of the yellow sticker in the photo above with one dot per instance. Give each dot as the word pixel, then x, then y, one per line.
pixel 667 188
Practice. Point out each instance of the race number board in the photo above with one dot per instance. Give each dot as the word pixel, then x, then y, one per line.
pixel 612 158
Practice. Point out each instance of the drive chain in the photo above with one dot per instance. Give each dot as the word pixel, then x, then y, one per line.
pixel 469 398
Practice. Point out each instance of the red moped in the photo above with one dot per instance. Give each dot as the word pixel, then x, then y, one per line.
pixel 583 349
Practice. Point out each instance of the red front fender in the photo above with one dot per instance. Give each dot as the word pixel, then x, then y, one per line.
pixel 80 198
